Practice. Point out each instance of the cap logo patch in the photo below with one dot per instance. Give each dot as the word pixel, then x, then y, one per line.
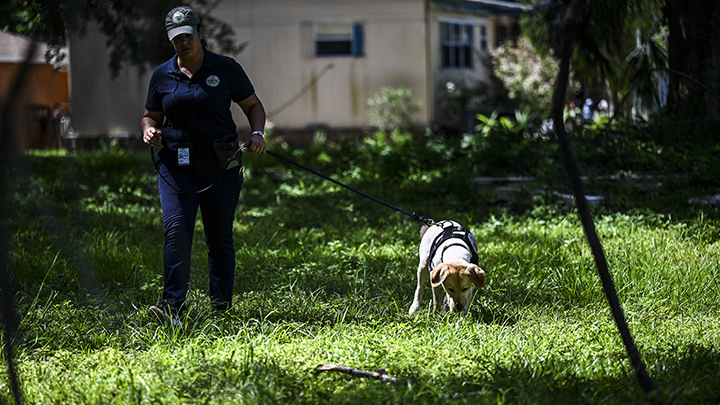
pixel 212 81
pixel 178 17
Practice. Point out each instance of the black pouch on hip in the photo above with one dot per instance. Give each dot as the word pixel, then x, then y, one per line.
pixel 228 154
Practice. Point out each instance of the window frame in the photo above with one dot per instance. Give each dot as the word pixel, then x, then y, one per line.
pixel 339 46
pixel 457 52
pixel 484 38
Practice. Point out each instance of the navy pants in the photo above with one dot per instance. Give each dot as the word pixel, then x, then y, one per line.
pixel 217 206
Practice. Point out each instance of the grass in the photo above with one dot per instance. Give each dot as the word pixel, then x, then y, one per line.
pixel 325 276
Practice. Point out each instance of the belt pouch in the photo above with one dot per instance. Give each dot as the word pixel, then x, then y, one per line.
pixel 228 154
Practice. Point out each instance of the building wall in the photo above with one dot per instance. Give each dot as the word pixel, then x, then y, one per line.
pixel 44 96
pixel 461 79
pixel 300 90
pixel 279 58
pixel 103 105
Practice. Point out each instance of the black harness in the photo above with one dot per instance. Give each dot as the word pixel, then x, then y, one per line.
pixel 455 232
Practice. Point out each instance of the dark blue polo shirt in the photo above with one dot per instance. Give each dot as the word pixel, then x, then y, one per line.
pixel 197 110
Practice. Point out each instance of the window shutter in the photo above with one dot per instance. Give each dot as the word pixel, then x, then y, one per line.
pixel 358 49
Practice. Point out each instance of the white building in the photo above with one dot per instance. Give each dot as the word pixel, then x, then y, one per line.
pixel 315 63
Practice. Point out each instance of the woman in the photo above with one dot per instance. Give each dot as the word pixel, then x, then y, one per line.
pixel 188 111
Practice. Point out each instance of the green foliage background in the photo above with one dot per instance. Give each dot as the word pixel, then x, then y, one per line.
pixel 326 276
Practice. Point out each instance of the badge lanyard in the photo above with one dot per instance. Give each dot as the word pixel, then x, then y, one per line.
pixel 183 151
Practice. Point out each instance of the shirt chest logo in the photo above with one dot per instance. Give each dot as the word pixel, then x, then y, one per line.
pixel 212 81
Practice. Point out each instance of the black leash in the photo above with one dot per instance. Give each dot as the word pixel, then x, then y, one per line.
pixel 400 210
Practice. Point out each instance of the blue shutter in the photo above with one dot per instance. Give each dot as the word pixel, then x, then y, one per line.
pixel 358 44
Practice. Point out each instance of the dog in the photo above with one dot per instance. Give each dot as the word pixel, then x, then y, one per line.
pixel 448 254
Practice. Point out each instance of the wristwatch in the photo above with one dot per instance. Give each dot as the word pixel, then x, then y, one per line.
pixel 258 133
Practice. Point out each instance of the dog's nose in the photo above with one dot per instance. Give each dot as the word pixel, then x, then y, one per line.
pixel 458 308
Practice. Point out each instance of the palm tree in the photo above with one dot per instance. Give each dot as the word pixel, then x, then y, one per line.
pixel 694 58
pixel 619 50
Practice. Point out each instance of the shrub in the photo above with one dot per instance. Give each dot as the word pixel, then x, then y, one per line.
pixel 528 76
pixel 512 145
pixel 392 109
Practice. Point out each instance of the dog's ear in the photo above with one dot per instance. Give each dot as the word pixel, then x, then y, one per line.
pixel 476 274
pixel 438 275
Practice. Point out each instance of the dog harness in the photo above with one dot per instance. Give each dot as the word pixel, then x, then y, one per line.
pixel 455 232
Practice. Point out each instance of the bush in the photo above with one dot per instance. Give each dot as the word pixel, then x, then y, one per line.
pixel 528 76
pixel 523 145
pixel 392 109
pixel 512 145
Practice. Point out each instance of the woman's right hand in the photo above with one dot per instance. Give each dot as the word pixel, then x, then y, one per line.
pixel 152 135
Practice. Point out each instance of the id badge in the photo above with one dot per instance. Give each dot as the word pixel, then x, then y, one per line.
pixel 183 156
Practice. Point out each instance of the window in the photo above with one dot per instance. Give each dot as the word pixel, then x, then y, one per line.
pixel 483 38
pixel 456 45
pixel 339 40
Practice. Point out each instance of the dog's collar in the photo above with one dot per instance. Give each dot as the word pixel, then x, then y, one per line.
pixel 455 232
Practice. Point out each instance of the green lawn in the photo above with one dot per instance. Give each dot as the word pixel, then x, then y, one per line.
pixel 326 277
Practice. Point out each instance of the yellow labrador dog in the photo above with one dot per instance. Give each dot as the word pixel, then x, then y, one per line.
pixel 448 254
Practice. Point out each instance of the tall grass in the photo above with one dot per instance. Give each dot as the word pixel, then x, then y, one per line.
pixel 325 276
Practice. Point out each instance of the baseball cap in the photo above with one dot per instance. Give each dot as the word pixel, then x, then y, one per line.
pixel 181 20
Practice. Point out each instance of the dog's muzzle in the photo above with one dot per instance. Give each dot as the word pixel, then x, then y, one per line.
pixel 456 308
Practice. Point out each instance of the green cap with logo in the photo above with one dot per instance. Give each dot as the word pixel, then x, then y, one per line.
pixel 181 20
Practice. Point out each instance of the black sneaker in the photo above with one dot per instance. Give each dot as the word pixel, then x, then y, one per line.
pixel 220 308
pixel 164 316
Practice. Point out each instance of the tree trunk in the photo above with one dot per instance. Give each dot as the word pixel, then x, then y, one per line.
pixel 694 58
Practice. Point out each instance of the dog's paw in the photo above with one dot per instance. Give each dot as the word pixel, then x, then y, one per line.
pixel 413 308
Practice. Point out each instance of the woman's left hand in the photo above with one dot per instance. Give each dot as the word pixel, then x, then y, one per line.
pixel 256 144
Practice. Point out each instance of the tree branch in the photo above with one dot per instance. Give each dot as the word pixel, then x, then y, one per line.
pixel 378 375
pixel 571 27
